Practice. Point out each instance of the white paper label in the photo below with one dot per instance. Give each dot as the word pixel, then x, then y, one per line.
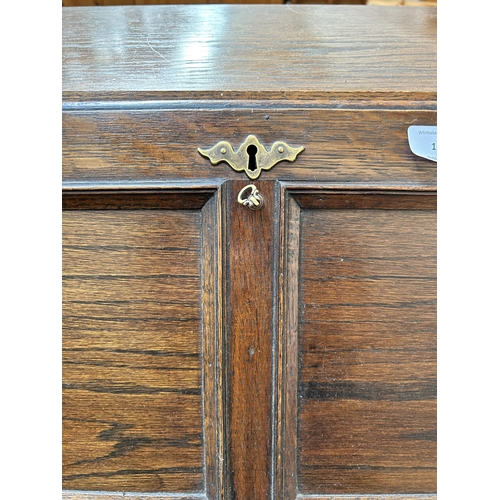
pixel 423 141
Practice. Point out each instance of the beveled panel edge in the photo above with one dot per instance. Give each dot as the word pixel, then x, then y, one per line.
pixel 416 496
pixel 260 101
pixel 103 195
pixel 355 187
pixel 362 199
pixel 287 369
pixel 213 380
pixel 104 495
pixel 192 184
pixel 298 188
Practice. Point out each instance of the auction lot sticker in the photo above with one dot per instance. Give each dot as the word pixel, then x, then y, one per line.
pixel 423 141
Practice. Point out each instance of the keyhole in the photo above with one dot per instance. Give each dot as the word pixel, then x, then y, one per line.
pixel 252 161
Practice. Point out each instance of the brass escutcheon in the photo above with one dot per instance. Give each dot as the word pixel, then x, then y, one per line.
pixel 251 157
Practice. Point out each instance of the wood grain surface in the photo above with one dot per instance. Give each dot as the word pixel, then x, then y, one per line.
pixel 403 3
pixel 182 48
pixel 212 352
pixel 101 495
pixel 214 402
pixel 132 347
pixel 417 496
pixel 368 146
pixel 331 2
pixel 287 349
pixel 80 3
pixel 365 346
pixel 250 327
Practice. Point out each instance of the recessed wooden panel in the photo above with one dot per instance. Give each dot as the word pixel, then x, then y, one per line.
pixel 133 400
pixel 365 348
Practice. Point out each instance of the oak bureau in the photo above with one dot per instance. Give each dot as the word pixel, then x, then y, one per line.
pixel 249 261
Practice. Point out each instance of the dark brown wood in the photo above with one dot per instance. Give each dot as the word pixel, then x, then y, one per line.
pixel 179 99
pixel 250 330
pixel 300 48
pixel 135 199
pixel 78 3
pixel 370 497
pixel 212 352
pixel 82 495
pixel 344 2
pixel 81 3
pixel 133 337
pixel 368 146
pixel 214 405
pixel 287 387
pixel 359 352
pixel 366 200
pixel 403 3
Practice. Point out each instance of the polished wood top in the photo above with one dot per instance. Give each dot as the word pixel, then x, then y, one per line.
pixel 218 51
